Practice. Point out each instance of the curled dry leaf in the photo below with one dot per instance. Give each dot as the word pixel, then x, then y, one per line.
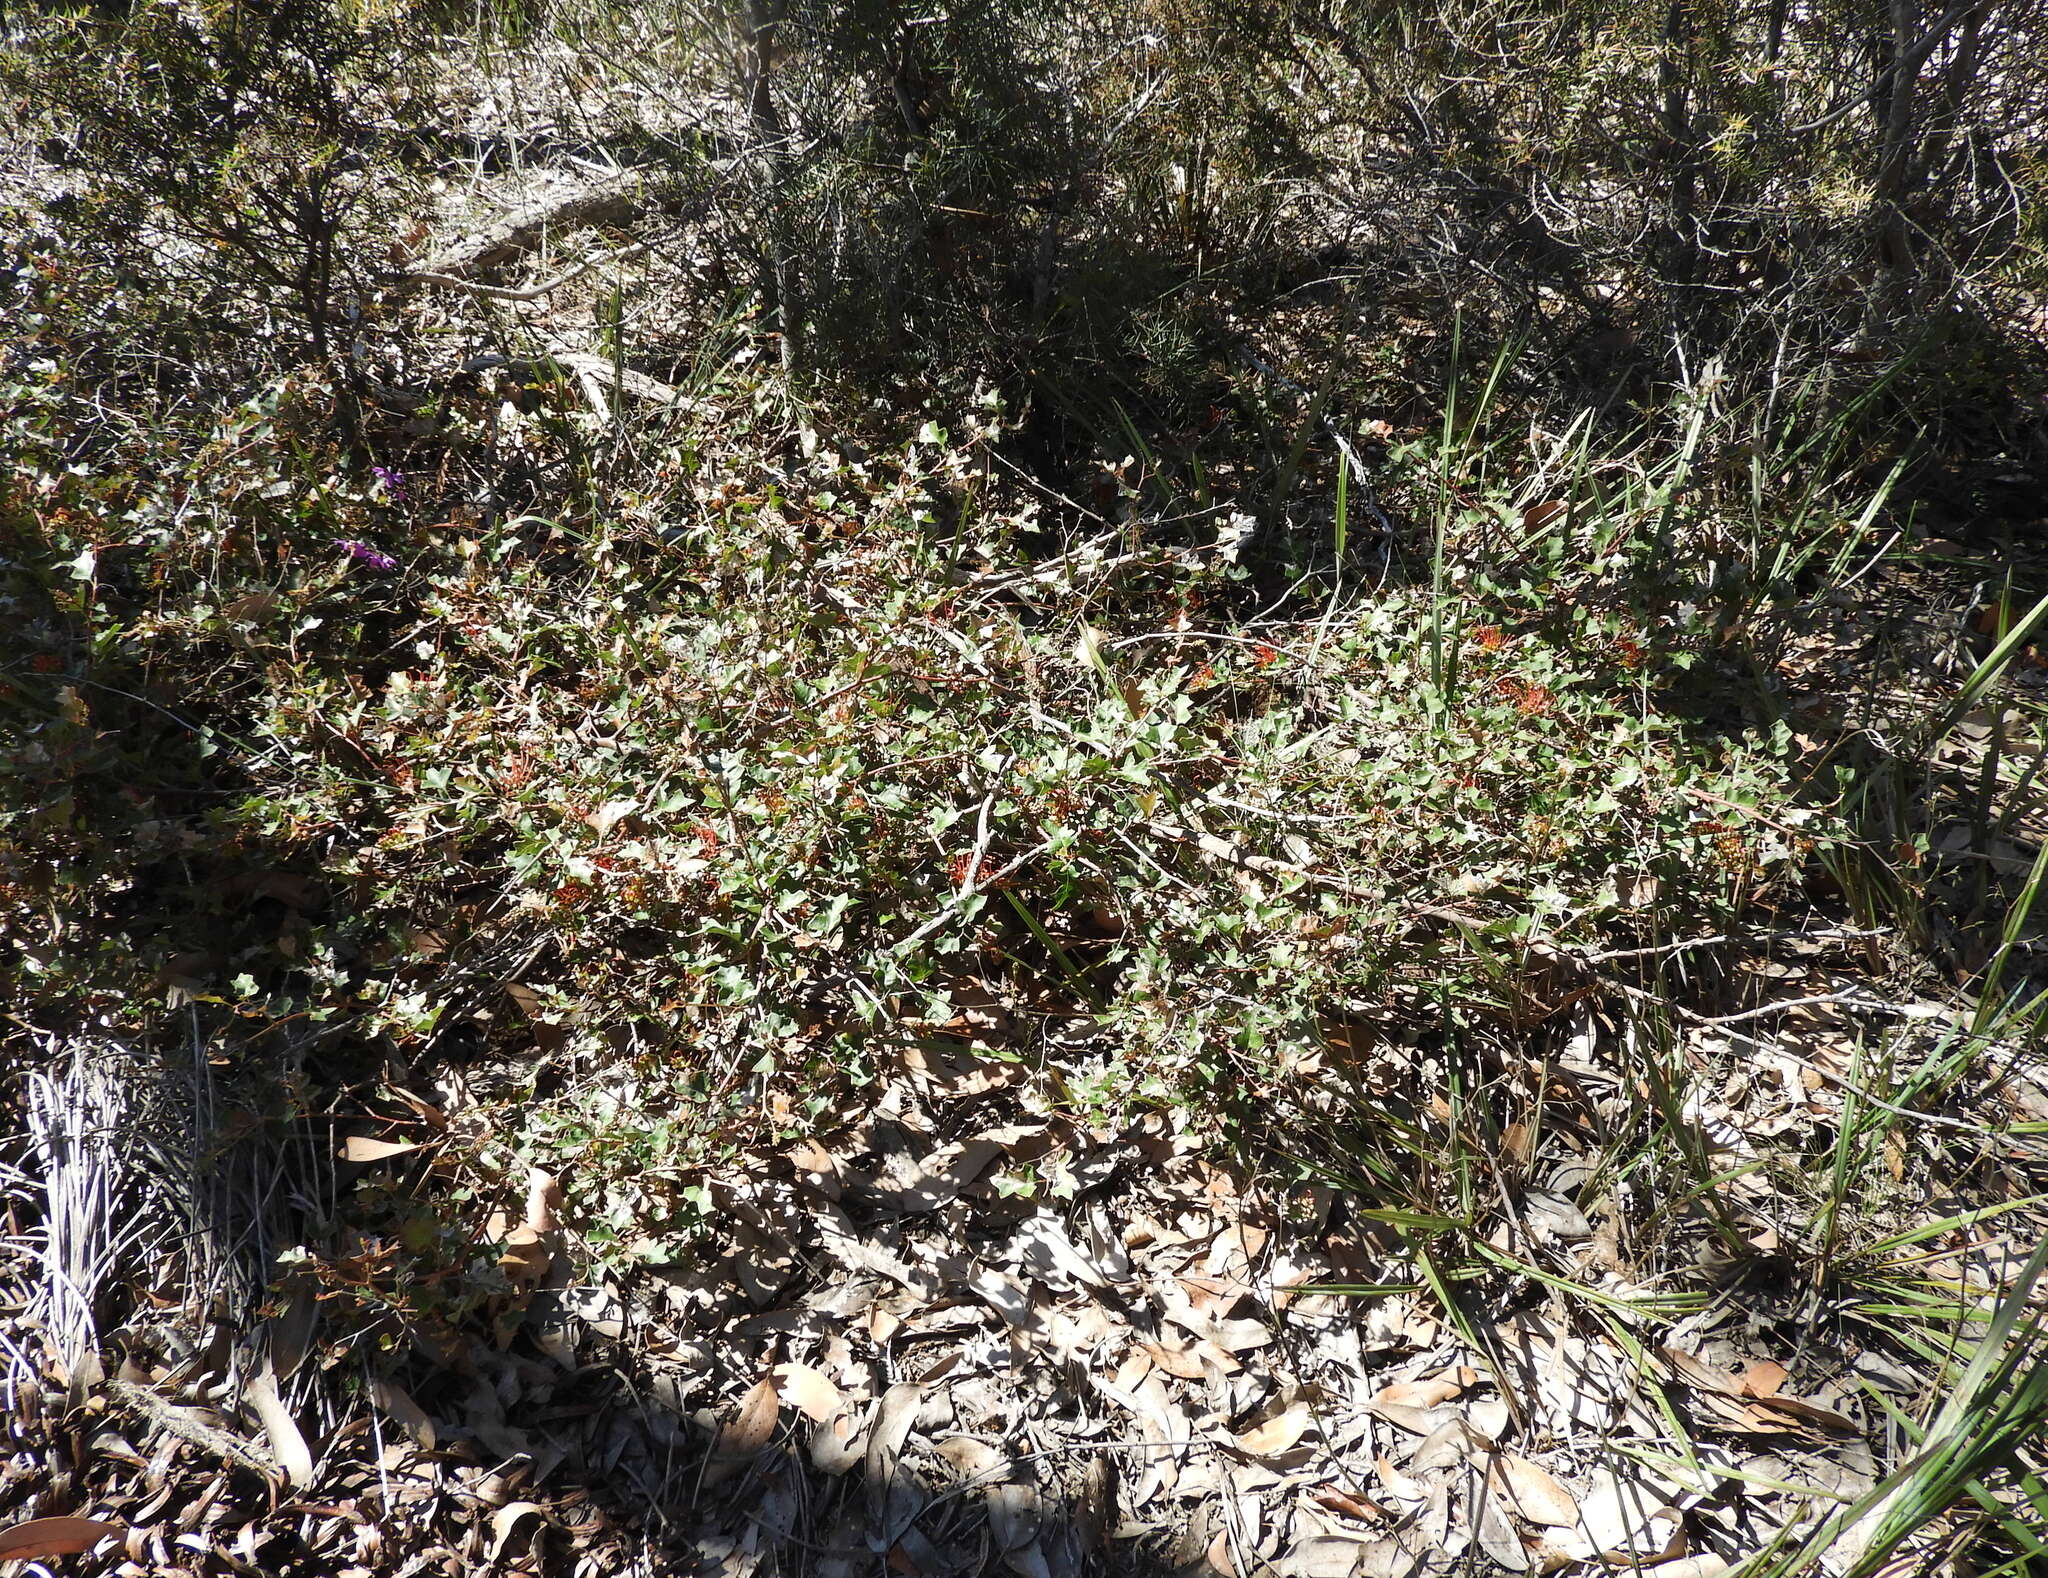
pixel 1277 1435
pixel 505 1524
pixel 891 1504
pixel 543 1201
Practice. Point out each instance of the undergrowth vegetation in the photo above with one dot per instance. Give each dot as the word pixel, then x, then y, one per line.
pixel 1124 606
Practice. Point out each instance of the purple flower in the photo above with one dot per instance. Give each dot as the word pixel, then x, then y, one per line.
pixel 361 550
pixel 392 481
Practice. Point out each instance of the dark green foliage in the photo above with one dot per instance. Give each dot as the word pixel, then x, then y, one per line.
pixel 228 150
pixel 1378 470
pixel 918 165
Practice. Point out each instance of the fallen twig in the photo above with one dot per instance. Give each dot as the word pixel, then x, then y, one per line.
pixel 530 292
pixel 143 1403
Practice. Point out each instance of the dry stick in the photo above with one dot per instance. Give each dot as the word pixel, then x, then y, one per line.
pixel 967 892
pixel 981 833
pixel 1861 1092
pixel 1849 995
pixel 145 1404
pixel 987 1479
pixel 1749 811
pixel 1214 848
pixel 531 292
pixel 1829 934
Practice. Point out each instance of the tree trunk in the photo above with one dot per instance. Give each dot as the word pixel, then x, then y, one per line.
pixel 781 280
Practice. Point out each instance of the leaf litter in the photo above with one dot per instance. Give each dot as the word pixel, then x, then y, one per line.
pixel 900 1357
pixel 897 1361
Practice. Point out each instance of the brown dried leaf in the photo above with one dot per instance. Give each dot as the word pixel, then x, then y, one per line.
pixel 1277 1435
pixel 754 1425
pixel 811 1390
pixel 287 1444
pixel 361 1148
pixel 1532 1492
pixel 505 1524
pixel 1427 1393
pixel 526 1256
pixel 396 1401
pixel 891 1503
pixel 39 1539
